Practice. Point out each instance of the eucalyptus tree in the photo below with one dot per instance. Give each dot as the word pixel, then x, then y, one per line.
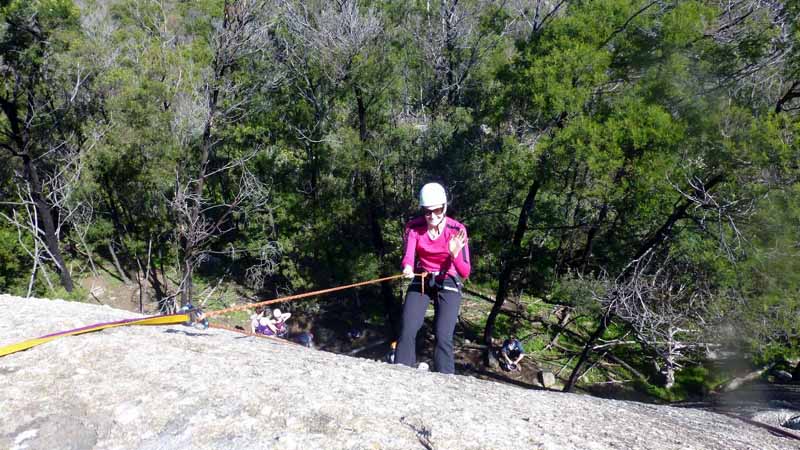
pixel 44 104
pixel 626 133
pixel 177 184
pixel 324 47
pixel 332 54
pixel 236 44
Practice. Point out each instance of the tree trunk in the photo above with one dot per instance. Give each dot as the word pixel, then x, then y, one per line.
pixel 190 244
pixel 186 281
pixel 511 260
pixel 121 272
pixel 587 349
pixel 669 375
pixel 20 137
pixel 156 283
pixel 678 213
pixel 448 37
pixel 375 212
pixel 601 218
pixel 46 218
pixel 587 250
pixel 792 93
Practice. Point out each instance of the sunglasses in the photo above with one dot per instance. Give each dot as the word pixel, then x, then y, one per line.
pixel 438 211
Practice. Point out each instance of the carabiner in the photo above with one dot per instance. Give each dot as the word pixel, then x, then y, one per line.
pixel 196 317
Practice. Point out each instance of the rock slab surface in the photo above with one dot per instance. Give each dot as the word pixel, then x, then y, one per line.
pixel 176 387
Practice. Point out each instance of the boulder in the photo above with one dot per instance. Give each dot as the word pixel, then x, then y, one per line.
pixel 177 387
pixel 546 379
pixel 491 359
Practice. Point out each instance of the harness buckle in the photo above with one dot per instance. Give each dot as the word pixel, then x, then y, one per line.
pixel 432 279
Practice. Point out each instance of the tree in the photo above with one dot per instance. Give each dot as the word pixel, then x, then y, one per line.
pixel 243 34
pixel 176 183
pixel 605 118
pixel 44 105
pixel 667 309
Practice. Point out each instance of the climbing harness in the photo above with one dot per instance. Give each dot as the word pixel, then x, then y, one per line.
pixel 188 315
pixel 442 285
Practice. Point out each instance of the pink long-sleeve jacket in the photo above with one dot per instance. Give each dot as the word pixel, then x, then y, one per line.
pixel 432 255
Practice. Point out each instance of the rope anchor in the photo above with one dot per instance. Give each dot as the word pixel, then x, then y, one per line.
pixel 197 317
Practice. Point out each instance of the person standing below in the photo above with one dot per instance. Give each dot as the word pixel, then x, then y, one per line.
pixel 437 245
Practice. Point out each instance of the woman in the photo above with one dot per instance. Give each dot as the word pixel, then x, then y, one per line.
pixel 281 330
pixel 437 245
pixel 261 323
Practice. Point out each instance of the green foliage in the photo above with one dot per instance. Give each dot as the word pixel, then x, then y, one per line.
pixel 14 262
pixel 608 116
pixel 777 353
pixel 578 292
pixel 767 320
pixel 690 383
pixel 78 294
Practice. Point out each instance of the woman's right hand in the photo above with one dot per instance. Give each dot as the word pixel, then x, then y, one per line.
pixel 408 272
pixel 457 243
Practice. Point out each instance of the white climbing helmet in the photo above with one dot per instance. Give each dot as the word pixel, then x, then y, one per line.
pixel 432 194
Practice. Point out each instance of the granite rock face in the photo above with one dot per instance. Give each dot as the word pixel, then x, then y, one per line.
pixel 176 387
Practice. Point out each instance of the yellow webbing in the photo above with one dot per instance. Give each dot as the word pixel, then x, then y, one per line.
pixel 157 320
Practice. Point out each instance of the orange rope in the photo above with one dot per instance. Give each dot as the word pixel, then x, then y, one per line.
pixel 180 318
pixel 299 296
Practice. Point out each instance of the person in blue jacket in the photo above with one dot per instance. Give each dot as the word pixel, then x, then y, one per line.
pixel 512 353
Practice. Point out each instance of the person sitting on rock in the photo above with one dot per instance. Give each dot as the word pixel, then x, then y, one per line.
pixel 261 323
pixel 281 330
pixel 512 352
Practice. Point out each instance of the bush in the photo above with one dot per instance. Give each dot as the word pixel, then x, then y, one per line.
pixel 775 353
pixel 78 294
pixel 691 382
pixel 15 264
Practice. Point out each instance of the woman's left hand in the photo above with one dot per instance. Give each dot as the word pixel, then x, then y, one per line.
pixel 457 243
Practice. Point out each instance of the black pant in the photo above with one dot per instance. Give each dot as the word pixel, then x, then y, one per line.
pixel 447 301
